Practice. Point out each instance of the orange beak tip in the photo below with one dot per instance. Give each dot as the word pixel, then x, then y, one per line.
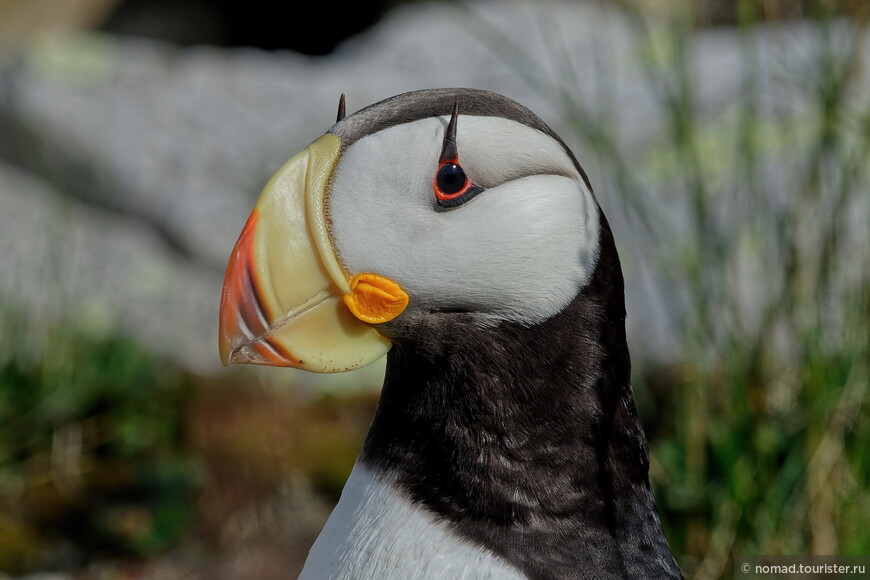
pixel 244 319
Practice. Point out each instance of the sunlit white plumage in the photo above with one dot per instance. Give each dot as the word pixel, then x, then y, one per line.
pixel 377 532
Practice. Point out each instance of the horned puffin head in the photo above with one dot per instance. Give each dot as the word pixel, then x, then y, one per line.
pixel 428 204
pixel 455 230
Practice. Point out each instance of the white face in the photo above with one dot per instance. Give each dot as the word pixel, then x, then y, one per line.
pixel 520 251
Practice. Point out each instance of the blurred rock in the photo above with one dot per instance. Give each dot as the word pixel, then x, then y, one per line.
pixel 170 147
pixel 156 154
pixel 74 262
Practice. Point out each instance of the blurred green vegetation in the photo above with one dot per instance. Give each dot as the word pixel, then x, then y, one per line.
pixel 108 452
pixel 91 454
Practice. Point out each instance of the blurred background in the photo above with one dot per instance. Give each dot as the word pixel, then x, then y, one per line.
pixel 727 142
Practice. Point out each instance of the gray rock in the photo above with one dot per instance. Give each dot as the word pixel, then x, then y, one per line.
pixel 100 272
pixel 156 154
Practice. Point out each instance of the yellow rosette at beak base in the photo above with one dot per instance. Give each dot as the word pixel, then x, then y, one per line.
pixel 286 300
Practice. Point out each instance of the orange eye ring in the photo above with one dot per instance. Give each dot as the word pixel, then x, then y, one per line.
pixel 450 181
pixel 452 187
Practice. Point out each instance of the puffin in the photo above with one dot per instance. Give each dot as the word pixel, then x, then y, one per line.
pixel 454 232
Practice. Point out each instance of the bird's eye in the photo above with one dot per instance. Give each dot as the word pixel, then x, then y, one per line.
pixel 452 186
pixel 450 179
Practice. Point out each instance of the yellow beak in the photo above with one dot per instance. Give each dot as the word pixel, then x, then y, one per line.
pixel 286 299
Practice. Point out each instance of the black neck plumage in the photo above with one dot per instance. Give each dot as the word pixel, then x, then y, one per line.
pixel 526 438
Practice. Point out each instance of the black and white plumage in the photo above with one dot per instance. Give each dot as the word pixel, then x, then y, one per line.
pixel 506 442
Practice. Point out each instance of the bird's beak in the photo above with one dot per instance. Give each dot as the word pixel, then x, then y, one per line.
pixel 286 300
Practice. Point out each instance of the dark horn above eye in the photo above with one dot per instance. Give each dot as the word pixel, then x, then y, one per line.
pixel 341 109
pixel 448 149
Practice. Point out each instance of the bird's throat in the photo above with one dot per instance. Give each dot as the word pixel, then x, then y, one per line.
pixel 525 438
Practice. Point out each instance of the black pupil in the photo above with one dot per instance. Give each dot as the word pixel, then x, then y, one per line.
pixel 451 178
